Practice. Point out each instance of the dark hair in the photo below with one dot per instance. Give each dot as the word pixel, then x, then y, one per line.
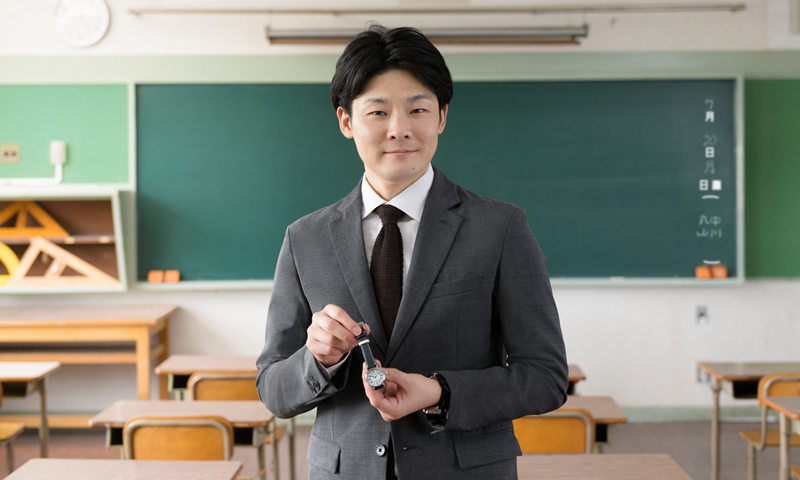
pixel 378 50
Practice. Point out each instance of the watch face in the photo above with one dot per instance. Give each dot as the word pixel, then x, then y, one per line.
pixel 375 377
pixel 81 23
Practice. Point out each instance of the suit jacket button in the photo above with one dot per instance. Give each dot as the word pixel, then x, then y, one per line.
pixel 380 450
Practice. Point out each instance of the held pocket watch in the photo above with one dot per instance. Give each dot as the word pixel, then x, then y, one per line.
pixel 375 375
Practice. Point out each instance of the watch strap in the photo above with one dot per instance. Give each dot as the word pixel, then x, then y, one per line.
pixel 443 404
pixel 366 351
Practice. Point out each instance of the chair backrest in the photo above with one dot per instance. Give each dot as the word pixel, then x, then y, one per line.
pixel 778 385
pixel 775 385
pixel 222 386
pixel 568 430
pixel 178 438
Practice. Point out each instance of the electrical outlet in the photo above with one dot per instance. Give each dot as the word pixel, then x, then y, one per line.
pixel 9 153
pixel 702 315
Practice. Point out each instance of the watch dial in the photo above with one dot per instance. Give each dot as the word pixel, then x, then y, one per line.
pixel 81 23
pixel 375 377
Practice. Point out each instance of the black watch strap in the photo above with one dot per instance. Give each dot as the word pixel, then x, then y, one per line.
pixel 363 342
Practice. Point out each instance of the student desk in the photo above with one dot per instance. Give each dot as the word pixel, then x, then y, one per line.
pixel 575 376
pixel 605 412
pixel 178 369
pixel 630 466
pixel 20 379
pixel 89 335
pixel 789 408
pixel 250 420
pixel 739 380
pixel 74 469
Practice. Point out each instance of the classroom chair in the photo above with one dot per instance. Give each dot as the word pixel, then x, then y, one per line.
pixel 568 430
pixel 796 472
pixel 178 438
pixel 774 385
pixel 232 385
pixel 8 432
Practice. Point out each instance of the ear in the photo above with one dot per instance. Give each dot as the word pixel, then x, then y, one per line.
pixel 344 122
pixel 442 118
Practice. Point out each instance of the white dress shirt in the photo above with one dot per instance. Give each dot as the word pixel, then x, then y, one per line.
pixel 411 201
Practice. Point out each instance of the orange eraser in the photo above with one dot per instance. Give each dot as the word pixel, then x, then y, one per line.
pixel 172 276
pixel 155 276
pixel 702 272
pixel 719 271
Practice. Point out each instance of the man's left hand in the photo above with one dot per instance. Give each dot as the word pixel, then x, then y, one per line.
pixel 402 393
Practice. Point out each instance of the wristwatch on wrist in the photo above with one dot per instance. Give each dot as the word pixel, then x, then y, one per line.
pixel 442 406
pixel 375 376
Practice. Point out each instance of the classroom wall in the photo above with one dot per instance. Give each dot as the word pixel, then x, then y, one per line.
pixel 638 344
pixel 25 27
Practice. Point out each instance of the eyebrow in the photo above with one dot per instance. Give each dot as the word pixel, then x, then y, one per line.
pixel 419 96
pixel 411 99
pixel 375 100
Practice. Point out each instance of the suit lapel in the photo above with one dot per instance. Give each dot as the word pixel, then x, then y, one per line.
pixel 348 242
pixel 437 230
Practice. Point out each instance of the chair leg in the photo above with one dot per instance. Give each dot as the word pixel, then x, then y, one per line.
pixel 9 458
pixel 751 462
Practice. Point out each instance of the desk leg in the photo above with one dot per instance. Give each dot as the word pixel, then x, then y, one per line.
pixel 291 449
pixel 44 430
pixel 786 432
pixel 275 457
pixel 715 460
pixel 143 364
pixel 262 463
pixel 163 390
pixel 9 458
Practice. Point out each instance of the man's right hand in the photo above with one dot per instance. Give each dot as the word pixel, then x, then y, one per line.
pixel 331 335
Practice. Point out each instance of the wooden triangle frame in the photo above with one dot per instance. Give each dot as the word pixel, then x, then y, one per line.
pixel 49 227
pixel 61 260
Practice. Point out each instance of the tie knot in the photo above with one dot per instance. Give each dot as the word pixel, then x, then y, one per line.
pixel 389 214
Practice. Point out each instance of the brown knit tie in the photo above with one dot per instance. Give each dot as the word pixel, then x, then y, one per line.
pixel 387 266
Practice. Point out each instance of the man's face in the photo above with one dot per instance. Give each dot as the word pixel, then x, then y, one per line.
pixel 395 123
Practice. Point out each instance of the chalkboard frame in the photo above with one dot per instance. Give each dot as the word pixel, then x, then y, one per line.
pixel 738 121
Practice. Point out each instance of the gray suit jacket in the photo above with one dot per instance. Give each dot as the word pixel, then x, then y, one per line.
pixel 477 288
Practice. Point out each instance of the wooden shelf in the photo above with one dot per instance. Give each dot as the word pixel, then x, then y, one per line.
pixel 71 240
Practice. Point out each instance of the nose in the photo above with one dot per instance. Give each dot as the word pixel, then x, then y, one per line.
pixel 399 127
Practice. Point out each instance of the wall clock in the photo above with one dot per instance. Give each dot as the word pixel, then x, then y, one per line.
pixel 81 23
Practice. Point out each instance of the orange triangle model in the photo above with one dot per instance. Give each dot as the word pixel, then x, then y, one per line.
pixel 61 260
pixel 23 208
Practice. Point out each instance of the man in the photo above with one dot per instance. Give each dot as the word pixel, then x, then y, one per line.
pixel 452 287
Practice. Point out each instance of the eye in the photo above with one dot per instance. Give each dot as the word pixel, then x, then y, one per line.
pixel 377 112
pixel 418 110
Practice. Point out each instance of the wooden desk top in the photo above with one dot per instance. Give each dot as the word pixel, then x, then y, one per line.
pixel 26 371
pixel 631 466
pixel 83 316
pixel 188 364
pixel 576 374
pixel 747 371
pixel 240 413
pixel 74 469
pixel 789 406
pixel 604 409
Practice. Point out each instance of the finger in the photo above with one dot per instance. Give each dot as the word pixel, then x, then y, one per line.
pixel 321 321
pixel 330 344
pixel 341 317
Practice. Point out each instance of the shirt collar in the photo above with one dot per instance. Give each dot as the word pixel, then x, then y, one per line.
pixel 411 200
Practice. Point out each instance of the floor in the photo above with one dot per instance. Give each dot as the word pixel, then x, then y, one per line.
pixel 686 442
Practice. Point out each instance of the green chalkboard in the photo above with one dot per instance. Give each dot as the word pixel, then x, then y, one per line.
pixel 613 174
pixel 772 209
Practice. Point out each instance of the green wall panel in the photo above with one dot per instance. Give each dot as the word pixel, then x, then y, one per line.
pixel 772 178
pixel 92 119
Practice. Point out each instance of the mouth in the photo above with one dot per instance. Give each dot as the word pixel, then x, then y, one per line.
pixel 400 153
